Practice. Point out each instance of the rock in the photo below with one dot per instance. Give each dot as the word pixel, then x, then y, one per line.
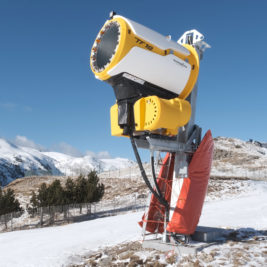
pixel 104 262
pixel 125 255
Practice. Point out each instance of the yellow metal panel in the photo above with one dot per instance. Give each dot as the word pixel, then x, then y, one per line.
pixel 115 128
pixel 193 60
pixel 153 113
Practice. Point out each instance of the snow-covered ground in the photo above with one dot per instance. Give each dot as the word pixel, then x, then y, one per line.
pixel 63 245
pixel 55 246
pixel 247 210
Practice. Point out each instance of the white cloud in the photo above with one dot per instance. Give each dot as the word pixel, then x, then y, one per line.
pixel 27 108
pixel 8 106
pixel 61 147
pixel 66 149
pixel 24 141
pixel 99 155
pixel 103 155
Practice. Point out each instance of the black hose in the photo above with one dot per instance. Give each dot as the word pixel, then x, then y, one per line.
pixel 143 173
pixel 154 175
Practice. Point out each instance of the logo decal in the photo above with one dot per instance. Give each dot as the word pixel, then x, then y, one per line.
pixel 140 42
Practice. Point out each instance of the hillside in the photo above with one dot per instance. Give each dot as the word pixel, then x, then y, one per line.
pixel 233 158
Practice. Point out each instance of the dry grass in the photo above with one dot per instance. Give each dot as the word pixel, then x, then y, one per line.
pixel 114 187
pixel 132 254
pixel 24 186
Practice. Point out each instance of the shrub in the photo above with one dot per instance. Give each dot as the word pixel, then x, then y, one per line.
pixel 8 202
pixel 84 190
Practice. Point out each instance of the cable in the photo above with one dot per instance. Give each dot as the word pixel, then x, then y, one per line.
pixel 154 175
pixel 143 173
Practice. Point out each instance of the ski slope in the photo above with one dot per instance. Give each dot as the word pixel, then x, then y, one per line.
pixel 62 245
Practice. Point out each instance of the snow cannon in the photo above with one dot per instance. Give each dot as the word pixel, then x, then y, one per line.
pixel 155 84
pixel 140 63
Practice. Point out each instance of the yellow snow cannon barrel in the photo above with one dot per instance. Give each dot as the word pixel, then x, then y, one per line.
pixel 124 46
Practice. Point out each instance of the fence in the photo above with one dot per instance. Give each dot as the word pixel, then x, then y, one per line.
pixel 57 215
pixel 258 171
pixel 7 219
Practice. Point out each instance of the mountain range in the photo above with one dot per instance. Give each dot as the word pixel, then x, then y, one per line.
pixel 19 161
pixel 232 158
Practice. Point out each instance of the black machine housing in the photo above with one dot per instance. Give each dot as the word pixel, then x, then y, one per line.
pixel 127 92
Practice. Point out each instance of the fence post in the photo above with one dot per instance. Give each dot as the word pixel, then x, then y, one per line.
pixel 68 213
pixel 52 214
pixel 65 211
pixel 5 218
pixel 11 221
pixel 89 211
pixel 41 217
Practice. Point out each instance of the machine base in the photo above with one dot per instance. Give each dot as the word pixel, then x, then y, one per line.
pixel 157 244
pixel 202 238
pixel 207 234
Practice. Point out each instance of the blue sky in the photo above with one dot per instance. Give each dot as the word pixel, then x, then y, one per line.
pixel 49 94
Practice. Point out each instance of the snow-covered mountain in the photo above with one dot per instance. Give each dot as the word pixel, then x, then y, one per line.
pixel 69 165
pixel 232 158
pixel 19 161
